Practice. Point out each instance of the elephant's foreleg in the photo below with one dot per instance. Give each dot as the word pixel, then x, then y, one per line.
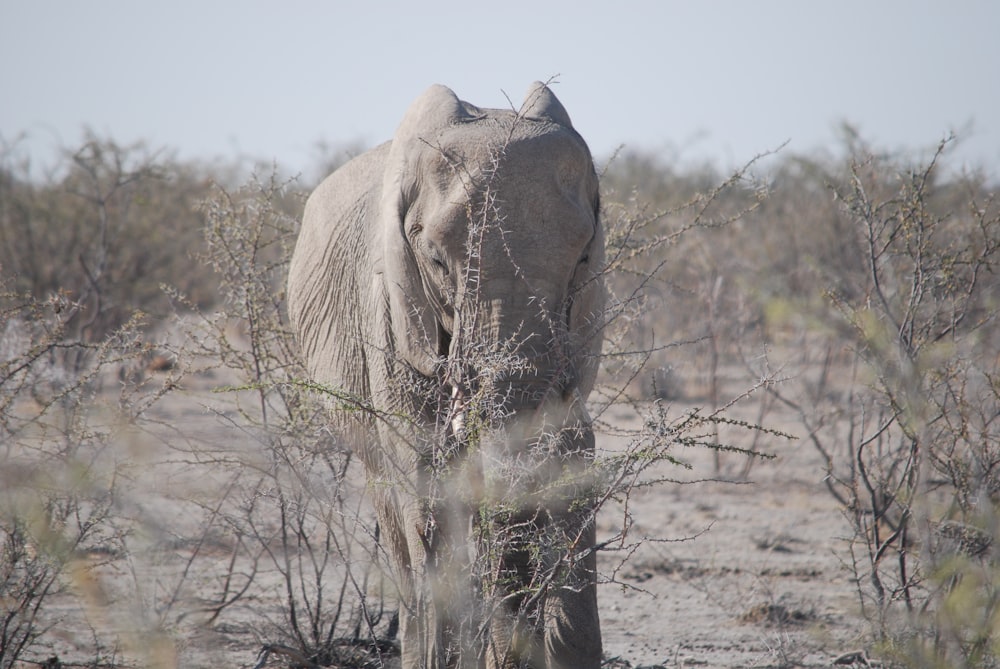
pixel 396 541
pixel 545 615
pixel 572 626
pixel 442 614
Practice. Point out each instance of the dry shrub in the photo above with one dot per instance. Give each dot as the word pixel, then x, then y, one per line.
pixel 61 479
pixel 867 280
pixel 297 513
pixel 106 229
pixel 906 422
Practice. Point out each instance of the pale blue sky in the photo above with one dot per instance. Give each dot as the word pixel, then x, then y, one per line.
pixel 710 80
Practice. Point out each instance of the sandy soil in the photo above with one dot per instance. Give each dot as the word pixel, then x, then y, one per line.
pixel 750 574
pixel 741 575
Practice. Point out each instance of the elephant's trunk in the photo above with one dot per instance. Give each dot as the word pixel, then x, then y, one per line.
pixel 528 438
pixel 529 473
pixel 512 353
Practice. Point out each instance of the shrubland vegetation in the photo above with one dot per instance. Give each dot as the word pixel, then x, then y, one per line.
pixel 856 293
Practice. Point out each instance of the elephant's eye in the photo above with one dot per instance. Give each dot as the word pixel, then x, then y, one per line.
pixel 585 259
pixel 439 264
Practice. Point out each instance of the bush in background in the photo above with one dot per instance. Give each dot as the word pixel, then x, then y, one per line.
pixel 106 230
pixel 870 281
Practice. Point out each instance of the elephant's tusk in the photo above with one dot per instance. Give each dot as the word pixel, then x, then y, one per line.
pixel 457 411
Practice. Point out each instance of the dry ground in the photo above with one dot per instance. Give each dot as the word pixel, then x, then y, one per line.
pixel 741 575
pixel 750 574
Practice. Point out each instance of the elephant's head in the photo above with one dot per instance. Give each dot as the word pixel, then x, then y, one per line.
pixel 492 245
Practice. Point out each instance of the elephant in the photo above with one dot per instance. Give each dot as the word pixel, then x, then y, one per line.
pixel 446 291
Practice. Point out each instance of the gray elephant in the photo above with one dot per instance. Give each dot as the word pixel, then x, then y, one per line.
pixel 446 288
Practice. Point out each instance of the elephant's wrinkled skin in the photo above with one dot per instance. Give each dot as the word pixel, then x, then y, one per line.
pixel 472 236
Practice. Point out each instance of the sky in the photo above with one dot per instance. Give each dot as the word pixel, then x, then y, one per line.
pixel 716 81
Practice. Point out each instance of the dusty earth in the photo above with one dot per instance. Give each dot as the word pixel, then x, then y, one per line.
pixel 745 574
pixel 748 574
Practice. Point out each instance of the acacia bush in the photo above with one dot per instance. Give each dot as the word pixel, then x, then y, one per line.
pixel 869 280
pixel 656 217
pixel 296 513
pixel 106 228
pixel 920 475
pixel 60 479
pixel 114 249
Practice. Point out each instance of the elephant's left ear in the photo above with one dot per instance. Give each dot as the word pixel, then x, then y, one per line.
pixel 414 325
pixel 541 104
pixel 436 108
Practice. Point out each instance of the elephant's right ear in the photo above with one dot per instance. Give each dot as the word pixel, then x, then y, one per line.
pixel 415 328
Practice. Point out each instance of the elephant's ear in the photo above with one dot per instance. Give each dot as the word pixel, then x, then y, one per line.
pixel 415 329
pixel 541 104
pixel 436 107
